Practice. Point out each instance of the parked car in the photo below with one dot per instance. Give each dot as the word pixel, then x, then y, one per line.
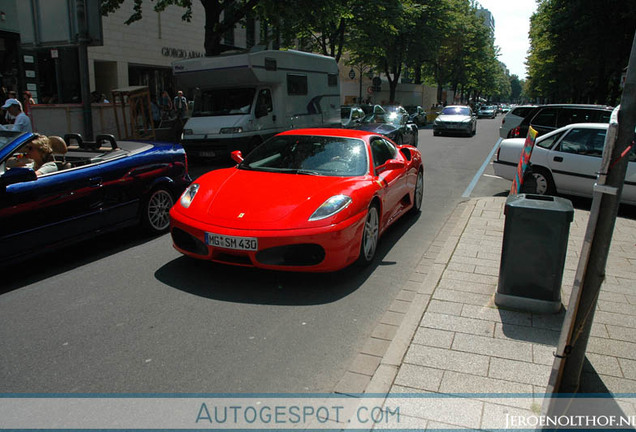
pixel 455 119
pixel 350 115
pixel 565 161
pixel 546 118
pixel 99 186
pixel 416 114
pixel 487 111
pixel 392 122
pixel 513 118
pixel 318 201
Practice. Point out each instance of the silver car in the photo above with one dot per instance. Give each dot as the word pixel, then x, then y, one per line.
pixel 455 119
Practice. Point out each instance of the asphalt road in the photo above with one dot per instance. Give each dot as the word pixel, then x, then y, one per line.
pixel 125 313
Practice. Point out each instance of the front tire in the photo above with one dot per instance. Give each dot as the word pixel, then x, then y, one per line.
pixel 370 236
pixel 418 193
pixel 155 217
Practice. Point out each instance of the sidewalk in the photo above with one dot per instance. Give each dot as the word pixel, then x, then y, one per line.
pixel 453 339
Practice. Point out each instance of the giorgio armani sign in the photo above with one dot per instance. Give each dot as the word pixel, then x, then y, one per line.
pixel 180 53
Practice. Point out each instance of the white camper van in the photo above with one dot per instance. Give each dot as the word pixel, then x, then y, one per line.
pixel 242 99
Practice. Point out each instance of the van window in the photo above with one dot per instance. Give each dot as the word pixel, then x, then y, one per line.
pixel 547 117
pixel 332 80
pixel 296 84
pixel 264 103
pixel 223 101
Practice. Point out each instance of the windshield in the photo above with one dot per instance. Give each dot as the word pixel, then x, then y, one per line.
pixel 345 112
pixel 456 111
pixel 313 155
pixel 379 115
pixel 6 137
pixel 222 102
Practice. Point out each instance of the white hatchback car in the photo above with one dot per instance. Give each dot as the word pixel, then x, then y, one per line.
pixel 513 118
pixel 565 161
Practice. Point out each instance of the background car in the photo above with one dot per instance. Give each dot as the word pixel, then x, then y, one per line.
pixel 546 118
pixel 317 201
pixel 99 186
pixel 455 119
pixel 565 161
pixel 513 118
pixel 416 114
pixel 350 115
pixel 392 122
pixel 487 111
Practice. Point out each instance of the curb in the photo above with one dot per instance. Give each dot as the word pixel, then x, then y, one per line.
pixel 375 369
pixel 389 367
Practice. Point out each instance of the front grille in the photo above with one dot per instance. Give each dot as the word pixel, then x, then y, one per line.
pixel 188 242
pixel 293 255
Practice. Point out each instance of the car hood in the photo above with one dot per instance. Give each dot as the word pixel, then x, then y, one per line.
pixel 380 128
pixel 242 199
pixel 452 118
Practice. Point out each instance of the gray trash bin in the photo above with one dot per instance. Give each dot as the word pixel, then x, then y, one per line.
pixel 533 253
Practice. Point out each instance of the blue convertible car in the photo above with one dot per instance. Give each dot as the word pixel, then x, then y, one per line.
pixel 98 186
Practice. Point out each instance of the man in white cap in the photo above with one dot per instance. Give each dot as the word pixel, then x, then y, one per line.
pixel 22 121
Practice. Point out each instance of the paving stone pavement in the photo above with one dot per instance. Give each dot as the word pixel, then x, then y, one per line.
pixel 452 338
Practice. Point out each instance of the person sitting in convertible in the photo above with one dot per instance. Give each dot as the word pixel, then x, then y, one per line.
pixel 39 153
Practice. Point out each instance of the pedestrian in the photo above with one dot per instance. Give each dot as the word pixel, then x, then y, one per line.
pixel 156 113
pixel 165 103
pixel 180 105
pixel 22 121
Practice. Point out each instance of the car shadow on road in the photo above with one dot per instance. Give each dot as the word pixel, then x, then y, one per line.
pixel 257 286
pixel 57 261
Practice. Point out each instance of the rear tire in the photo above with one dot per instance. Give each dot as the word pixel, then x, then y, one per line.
pixel 543 182
pixel 155 217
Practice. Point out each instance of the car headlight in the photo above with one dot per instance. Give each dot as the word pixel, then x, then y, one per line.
pixel 231 130
pixel 188 195
pixel 330 207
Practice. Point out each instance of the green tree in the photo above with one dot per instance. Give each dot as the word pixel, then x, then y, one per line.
pixel 233 12
pixel 317 26
pixel 578 49
pixel 382 34
pixel 516 86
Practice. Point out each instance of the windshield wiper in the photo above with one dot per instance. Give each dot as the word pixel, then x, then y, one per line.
pixel 307 172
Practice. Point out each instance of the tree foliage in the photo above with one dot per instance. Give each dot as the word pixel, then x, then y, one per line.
pixel 578 49
pixel 232 11
pixel 441 41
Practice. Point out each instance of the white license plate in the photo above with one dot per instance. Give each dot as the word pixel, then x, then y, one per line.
pixel 231 242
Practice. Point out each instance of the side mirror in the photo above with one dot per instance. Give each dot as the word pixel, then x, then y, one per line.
pixel 17 175
pixel 237 156
pixel 390 165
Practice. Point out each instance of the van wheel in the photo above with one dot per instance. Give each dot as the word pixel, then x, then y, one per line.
pixel 155 217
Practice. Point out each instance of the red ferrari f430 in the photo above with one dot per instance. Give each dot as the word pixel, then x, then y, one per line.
pixel 314 200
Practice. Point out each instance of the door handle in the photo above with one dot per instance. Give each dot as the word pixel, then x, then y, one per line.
pixel 558 159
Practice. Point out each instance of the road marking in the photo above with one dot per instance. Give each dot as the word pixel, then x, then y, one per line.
pixel 481 170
